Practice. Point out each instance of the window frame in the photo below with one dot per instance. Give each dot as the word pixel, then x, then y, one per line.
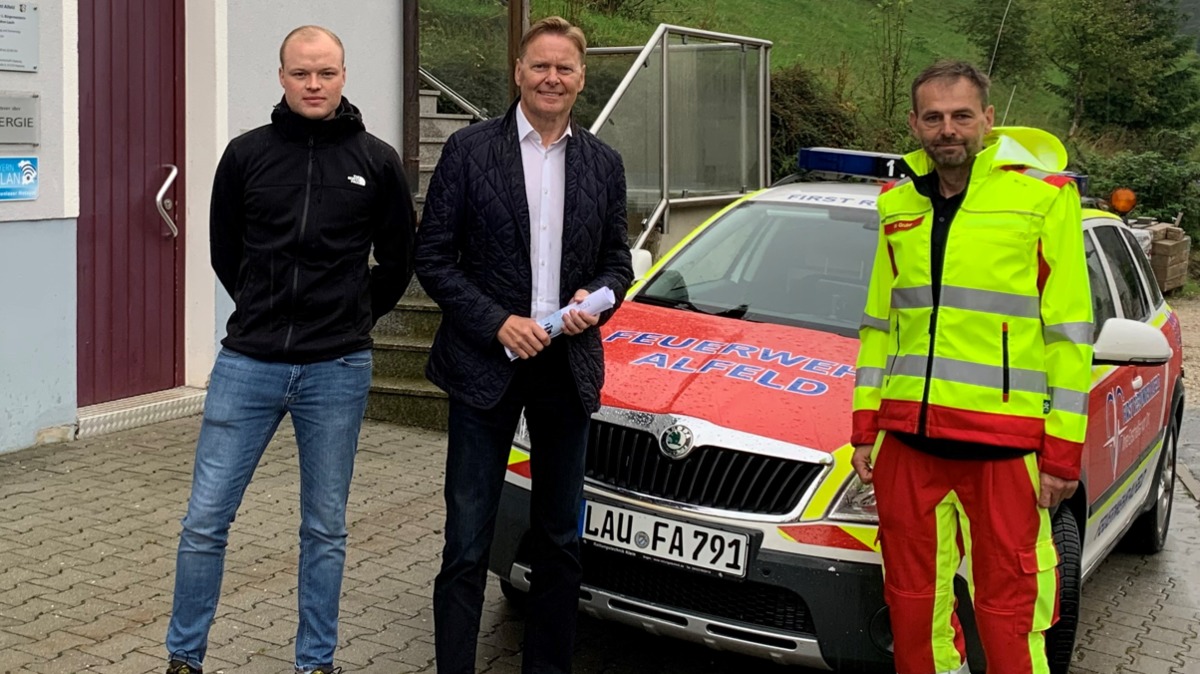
pixel 1111 273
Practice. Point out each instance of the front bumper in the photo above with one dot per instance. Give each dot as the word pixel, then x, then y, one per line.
pixel 792 609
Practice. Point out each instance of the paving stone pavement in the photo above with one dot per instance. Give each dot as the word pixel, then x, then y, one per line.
pixel 87 562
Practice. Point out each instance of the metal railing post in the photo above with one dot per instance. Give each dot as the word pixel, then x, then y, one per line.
pixel 666 129
pixel 764 123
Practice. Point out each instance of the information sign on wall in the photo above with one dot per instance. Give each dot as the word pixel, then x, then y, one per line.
pixel 19 121
pixel 19 36
pixel 18 178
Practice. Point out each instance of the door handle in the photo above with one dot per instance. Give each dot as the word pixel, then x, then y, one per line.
pixel 165 204
pixel 1137 383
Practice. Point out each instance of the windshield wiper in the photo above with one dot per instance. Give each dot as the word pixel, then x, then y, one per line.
pixel 737 312
pixel 684 304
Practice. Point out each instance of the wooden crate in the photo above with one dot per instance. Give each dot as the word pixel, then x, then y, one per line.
pixel 1169 259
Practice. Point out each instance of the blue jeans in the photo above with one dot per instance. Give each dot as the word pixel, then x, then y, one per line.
pixel 476 462
pixel 247 399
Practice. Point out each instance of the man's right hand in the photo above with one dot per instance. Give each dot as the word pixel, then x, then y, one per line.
pixel 862 463
pixel 523 336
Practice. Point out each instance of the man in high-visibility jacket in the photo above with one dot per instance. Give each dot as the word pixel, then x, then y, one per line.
pixel 970 405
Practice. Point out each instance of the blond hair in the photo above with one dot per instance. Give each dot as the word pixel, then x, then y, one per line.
pixel 554 25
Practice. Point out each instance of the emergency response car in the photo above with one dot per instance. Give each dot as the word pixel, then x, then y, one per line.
pixel 720 504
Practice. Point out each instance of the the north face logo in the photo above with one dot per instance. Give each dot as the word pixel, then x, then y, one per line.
pixel 357 180
pixel 902 225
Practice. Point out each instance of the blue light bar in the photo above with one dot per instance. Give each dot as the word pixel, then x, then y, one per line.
pixel 876 165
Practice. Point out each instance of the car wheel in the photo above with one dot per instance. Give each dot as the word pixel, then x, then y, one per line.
pixel 516 597
pixel 1148 534
pixel 1060 638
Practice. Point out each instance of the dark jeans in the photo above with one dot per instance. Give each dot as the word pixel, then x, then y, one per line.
pixel 479 443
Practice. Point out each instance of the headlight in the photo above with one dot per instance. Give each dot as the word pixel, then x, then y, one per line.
pixel 856 503
pixel 521 437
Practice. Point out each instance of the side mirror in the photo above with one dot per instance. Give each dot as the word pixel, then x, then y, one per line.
pixel 1126 342
pixel 642 261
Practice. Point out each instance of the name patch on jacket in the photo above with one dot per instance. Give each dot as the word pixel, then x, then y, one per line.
pixel 902 225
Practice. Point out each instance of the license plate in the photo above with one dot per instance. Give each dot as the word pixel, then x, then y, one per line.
pixel 684 543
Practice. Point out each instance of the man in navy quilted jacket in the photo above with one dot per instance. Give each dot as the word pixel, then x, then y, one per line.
pixel 525 214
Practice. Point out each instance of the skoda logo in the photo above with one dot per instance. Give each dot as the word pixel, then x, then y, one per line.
pixel 677 441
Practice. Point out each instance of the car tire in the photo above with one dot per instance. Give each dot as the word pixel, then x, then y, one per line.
pixel 1148 533
pixel 515 597
pixel 1060 638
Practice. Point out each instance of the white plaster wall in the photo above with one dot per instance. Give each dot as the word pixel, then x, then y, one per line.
pixel 37 248
pixel 57 83
pixel 206 82
pixel 37 333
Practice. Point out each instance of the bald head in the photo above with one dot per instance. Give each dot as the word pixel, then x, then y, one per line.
pixel 308 33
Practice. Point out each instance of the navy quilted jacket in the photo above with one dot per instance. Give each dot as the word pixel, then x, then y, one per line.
pixel 472 254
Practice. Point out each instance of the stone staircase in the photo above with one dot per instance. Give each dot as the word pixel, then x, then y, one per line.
pixel 399 391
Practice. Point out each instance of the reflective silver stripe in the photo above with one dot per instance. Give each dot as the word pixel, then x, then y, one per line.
pixel 919 297
pixel 911 366
pixel 991 301
pixel 869 321
pixel 1075 333
pixel 869 376
pixel 1066 400
pixel 992 376
pixel 977 374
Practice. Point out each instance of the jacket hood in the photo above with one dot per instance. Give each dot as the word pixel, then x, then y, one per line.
pixel 347 120
pixel 1008 146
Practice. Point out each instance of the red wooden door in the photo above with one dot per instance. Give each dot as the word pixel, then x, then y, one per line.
pixel 130 263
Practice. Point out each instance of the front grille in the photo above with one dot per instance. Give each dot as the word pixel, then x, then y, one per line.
pixel 768 606
pixel 712 477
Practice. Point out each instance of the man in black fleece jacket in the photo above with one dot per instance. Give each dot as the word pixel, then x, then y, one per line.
pixel 297 206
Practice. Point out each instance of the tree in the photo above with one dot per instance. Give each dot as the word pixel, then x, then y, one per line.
pixel 893 46
pixel 805 114
pixel 1003 32
pixel 1125 64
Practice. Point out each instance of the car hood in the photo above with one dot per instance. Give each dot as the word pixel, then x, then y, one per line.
pixel 788 383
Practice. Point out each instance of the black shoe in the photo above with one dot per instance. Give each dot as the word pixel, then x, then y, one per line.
pixel 181 667
pixel 327 670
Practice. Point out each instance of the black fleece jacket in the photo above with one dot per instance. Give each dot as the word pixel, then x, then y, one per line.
pixel 296 207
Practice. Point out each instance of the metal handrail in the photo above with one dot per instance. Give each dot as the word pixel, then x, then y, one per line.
pixel 638 63
pixel 649 223
pixel 662 211
pixel 644 56
pixel 444 89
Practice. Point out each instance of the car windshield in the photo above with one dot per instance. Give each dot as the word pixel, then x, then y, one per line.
pixel 797 264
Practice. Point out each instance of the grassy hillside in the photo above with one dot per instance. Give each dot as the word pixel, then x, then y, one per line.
pixel 463 42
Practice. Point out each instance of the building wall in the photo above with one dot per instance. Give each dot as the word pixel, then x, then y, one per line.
pixel 37 248
pixel 372 38
pixel 231 83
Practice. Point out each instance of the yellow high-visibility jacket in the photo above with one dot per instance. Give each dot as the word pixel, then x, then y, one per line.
pixel 1004 358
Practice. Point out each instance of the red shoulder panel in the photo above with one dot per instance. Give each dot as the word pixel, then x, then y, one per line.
pixel 1059 180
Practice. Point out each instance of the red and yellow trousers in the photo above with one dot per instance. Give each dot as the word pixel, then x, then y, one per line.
pixel 934 511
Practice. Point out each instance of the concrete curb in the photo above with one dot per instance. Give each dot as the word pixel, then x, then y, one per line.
pixel 1190 483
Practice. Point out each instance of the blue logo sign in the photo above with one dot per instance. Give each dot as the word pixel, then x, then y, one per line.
pixel 18 178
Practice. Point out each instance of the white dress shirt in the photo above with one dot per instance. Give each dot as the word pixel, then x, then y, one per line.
pixel 545 191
